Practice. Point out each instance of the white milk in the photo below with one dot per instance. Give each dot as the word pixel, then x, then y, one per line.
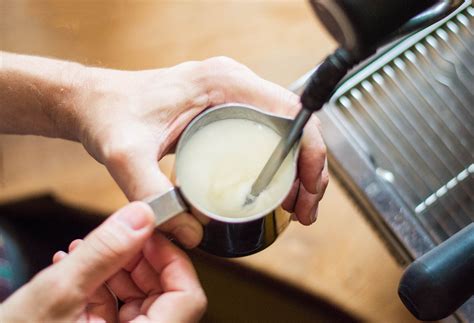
pixel 220 162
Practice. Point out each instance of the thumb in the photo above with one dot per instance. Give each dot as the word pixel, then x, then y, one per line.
pixel 109 247
pixel 138 174
pixel 65 287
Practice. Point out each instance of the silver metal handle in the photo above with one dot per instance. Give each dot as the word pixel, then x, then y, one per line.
pixel 167 205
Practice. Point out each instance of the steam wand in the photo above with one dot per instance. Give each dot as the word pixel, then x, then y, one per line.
pixel 360 27
pixel 316 94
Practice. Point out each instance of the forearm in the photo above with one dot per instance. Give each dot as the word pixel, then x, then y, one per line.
pixel 39 96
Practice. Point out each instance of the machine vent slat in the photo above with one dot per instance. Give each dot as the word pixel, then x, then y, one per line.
pixel 415 117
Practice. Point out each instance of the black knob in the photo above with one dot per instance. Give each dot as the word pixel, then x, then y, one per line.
pixel 440 281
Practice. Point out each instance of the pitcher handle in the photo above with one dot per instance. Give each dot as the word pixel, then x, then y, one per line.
pixel 167 205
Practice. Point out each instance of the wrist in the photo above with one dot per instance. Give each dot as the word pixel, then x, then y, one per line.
pixel 64 107
pixel 82 92
pixel 91 98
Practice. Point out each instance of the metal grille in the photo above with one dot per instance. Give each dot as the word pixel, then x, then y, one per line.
pixel 414 116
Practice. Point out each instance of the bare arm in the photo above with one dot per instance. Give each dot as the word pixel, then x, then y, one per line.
pixel 37 95
pixel 128 120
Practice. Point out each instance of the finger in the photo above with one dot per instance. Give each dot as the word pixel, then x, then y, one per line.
pixel 237 83
pixel 312 156
pixel 181 288
pixel 148 302
pixel 306 206
pixel 74 244
pixel 77 276
pixel 133 263
pixel 162 255
pixel 58 256
pixel 140 177
pixel 109 247
pixel 132 310
pixel 123 286
pixel 307 198
pixel 323 181
pixel 146 278
pixel 102 304
pixel 136 170
pixel 290 201
pixel 185 228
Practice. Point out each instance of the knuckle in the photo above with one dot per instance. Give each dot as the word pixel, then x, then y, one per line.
pixel 323 151
pixel 188 67
pixel 109 245
pixel 224 65
pixel 319 158
pixel 220 74
pixel 324 179
pixel 221 61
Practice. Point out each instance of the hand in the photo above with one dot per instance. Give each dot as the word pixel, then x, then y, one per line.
pixel 129 120
pixel 121 258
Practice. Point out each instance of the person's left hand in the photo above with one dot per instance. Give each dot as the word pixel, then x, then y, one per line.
pixel 130 120
pixel 122 258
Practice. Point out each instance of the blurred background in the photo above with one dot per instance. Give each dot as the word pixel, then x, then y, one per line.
pixel 335 270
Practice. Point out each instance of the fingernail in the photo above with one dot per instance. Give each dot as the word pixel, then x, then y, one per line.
pixel 73 245
pixel 293 217
pixel 133 216
pixel 58 256
pixel 187 236
pixel 61 254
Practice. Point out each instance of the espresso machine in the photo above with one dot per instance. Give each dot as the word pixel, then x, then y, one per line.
pixel 398 120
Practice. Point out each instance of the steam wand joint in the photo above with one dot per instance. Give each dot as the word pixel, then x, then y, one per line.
pixel 318 91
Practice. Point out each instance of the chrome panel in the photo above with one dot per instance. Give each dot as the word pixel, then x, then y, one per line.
pixel 400 133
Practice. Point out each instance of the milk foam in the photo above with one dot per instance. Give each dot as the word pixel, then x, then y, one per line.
pixel 220 162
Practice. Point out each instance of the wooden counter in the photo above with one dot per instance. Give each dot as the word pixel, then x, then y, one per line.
pixel 339 258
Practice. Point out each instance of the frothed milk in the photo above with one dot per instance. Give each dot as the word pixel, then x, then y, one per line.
pixel 220 162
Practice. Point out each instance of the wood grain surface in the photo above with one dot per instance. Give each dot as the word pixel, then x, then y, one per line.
pixel 339 258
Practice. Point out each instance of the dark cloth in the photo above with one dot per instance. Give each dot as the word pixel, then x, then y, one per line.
pixel 31 231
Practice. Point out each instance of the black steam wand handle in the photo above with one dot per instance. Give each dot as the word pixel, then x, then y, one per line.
pixel 318 91
pixel 324 79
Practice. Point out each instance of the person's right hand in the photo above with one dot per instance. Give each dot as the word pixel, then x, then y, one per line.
pixel 121 258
